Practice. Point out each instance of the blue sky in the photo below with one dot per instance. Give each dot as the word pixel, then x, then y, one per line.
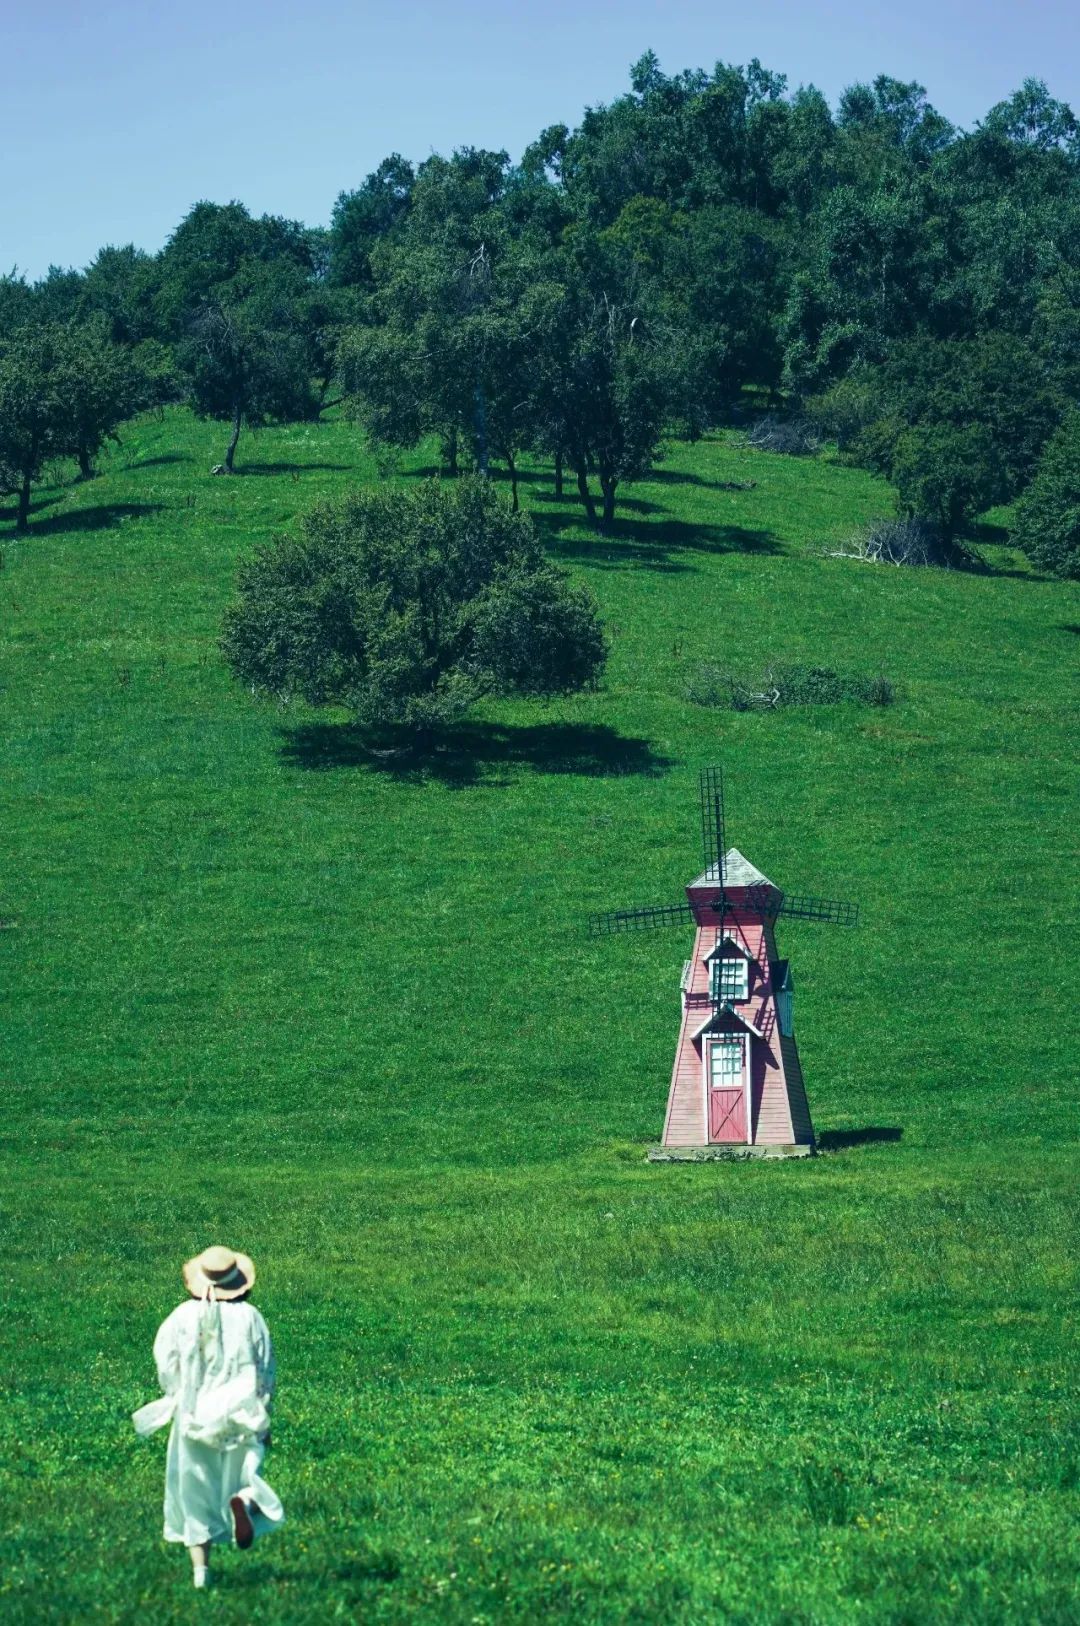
pixel 119 115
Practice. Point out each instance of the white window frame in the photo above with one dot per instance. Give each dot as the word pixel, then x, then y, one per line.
pixel 716 978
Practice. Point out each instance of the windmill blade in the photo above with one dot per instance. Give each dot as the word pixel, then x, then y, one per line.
pixel 713 837
pixel 826 911
pixel 640 920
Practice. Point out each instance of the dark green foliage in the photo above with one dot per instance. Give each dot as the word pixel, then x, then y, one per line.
pixel 362 219
pixel 1046 523
pixel 247 355
pixel 254 330
pixel 957 425
pixel 705 237
pixel 64 388
pixel 408 606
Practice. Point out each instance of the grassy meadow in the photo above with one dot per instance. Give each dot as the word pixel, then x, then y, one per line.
pixel 264 983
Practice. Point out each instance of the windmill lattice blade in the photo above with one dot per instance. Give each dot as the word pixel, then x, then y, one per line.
pixel 713 836
pixel 640 920
pixel 827 911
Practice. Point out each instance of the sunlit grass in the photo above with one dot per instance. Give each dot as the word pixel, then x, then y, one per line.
pixel 263 986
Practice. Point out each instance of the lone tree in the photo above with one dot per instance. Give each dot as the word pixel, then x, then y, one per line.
pixel 408 606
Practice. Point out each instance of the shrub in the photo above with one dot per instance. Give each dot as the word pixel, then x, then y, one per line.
pixel 1047 518
pixel 791 684
pixel 708 686
pixel 406 606
pixel 797 437
pixel 846 410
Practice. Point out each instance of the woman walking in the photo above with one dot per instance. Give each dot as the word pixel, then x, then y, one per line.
pixel 216 1368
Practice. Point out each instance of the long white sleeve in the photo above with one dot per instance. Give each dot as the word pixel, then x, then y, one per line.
pixel 167 1356
pixel 265 1365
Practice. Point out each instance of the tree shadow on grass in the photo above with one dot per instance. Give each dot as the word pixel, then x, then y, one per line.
pixel 684 477
pixel 158 462
pixel 247 469
pixel 11 512
pixel 102 517
pixel 663 546
pixel 984 530
pixel 473 753
pixel 985 534
pixel 838 1140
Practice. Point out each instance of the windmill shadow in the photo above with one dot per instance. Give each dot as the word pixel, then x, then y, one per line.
pixel 472 753
pixel 840 1140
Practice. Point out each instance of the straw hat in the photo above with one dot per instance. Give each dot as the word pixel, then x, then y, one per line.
pixel 230 1274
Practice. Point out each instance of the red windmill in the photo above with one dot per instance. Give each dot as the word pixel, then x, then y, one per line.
pixel 737 1083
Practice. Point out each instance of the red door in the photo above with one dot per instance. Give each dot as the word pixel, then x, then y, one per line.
pixel 727 1094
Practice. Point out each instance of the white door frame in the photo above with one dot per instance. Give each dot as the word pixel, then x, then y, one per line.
pixel 744 1041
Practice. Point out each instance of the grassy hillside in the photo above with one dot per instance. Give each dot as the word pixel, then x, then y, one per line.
pixel 267 987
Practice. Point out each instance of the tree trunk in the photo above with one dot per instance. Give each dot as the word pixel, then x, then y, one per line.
pixel 22 519
pixel 231 453
pixel 86 468
pixel 558 475
pixel 449 454
pixel 512 466
pixel 608 482
pixel 585 494
pixel 480 438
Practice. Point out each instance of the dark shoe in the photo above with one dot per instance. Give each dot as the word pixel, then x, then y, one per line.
pixel 243 1529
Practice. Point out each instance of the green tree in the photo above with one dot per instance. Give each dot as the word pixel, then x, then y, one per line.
pixel 248 354
pixel 1046 522
pixel 364 218
pixel 106 385
pixel 211 246
pixel 122 286
pixel 454 323
pixel 957 425
pixel 64 388
pixel 408 606
pixel 610 369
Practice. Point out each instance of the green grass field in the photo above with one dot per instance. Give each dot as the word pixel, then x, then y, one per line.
pixel 266 987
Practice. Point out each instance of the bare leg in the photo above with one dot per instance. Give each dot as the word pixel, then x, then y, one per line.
pixel 200 1563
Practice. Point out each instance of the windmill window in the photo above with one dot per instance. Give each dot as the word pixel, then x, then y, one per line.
pixel 730 979
pixel 725 1063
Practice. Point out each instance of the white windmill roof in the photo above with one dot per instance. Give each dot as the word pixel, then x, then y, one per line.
pixel 738 871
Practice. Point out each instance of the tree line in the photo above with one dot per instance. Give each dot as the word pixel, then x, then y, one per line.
pixel 706 243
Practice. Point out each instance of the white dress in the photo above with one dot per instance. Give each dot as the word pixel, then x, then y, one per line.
pixel 216 1367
